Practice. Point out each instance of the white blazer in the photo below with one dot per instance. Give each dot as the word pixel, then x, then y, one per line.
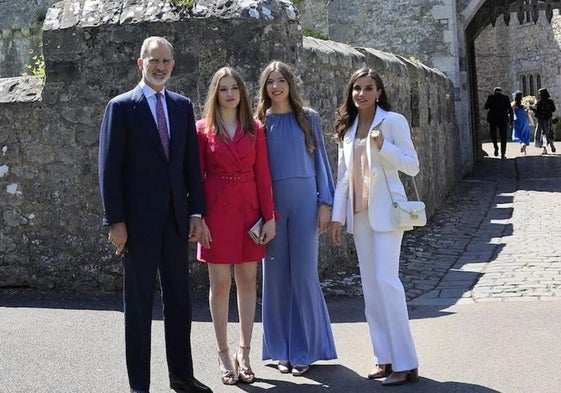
pixel 397 154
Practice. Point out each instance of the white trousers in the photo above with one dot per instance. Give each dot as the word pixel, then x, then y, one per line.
pixel 384 296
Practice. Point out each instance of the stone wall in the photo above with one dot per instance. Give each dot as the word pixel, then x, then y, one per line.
pixel 50 211
pixel 424 95
pixel 20 24
pixel 367 23
pixel 505 53
pixel 314 17
pixel 427 31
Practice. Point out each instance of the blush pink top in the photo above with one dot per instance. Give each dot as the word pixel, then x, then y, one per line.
pixel 361 176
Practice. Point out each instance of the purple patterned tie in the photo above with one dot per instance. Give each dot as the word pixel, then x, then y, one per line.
pixel 162 124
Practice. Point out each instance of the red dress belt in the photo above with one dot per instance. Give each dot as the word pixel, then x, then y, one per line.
pixel 234 177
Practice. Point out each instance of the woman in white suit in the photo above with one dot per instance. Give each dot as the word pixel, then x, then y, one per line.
pixel 371 138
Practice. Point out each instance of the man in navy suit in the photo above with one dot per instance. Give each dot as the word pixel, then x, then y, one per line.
pixel 500 115
pixel 153 201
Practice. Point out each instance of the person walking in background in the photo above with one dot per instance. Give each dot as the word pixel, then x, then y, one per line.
pixel 373 140
pixel 238 191
pixel 500 115
pixel 296 325
pixel 543 109
pixel 152 197
pixel 521 124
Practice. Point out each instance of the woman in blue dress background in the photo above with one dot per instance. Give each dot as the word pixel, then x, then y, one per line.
pixel 521 125
pixel 296 325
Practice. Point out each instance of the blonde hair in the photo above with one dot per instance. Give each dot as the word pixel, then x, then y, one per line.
pixel 211 110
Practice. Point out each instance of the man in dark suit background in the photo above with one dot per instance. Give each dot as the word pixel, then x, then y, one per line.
pixel 153 199
pixel 500 115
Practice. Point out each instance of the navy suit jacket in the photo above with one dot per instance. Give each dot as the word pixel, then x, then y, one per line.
pixel 135 178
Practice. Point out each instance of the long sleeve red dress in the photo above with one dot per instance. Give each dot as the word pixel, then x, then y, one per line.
pixel 238 191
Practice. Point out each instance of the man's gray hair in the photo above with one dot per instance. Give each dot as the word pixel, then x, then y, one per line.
pixel 148 41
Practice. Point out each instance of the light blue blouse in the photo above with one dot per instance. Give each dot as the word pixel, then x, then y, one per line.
pixel 289 157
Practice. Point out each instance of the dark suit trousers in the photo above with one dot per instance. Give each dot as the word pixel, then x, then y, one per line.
pixel 169 255
pixel 502 134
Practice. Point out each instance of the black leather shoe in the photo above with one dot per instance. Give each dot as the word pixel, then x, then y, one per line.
pixel 139 391
pixel 192 386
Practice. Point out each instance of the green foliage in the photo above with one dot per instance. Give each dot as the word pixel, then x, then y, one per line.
pixel 37 67
pixel 185 5
pixel 313 34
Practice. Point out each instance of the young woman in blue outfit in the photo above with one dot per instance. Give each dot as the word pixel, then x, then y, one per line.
pixel 521 124
pixel 296 325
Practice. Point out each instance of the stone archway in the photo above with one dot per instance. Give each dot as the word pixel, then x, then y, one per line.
pixel 477 16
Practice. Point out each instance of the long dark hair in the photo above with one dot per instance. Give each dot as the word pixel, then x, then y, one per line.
pixel 294 98
pixel 518 99
pixel 347 112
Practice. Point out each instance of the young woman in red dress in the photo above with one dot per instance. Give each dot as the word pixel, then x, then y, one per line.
pixel 238 191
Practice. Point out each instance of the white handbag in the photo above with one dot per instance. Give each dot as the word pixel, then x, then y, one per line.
pixel 407 214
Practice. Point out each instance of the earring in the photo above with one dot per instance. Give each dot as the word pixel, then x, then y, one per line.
pixel 376 100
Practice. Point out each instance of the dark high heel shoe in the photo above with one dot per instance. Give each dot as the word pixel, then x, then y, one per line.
pixel 401 377
pixel 299 369
pixel 245 373
pixel 284 366
pixel 227 376
pixel 380 371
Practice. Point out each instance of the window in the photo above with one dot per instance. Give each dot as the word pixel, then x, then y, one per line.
pixel 530 83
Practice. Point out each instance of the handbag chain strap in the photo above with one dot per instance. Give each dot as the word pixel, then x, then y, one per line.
pixel 386 177
pixel 414 214
pixel 388 185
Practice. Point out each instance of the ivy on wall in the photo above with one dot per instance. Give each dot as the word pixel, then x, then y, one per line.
pixel 37 66
pixel 310 33
pixel 182 6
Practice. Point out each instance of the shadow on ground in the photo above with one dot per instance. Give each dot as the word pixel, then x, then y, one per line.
pixel 338 378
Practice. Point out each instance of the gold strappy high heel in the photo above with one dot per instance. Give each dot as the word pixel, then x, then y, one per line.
pixel 245 373
pixel 227 376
